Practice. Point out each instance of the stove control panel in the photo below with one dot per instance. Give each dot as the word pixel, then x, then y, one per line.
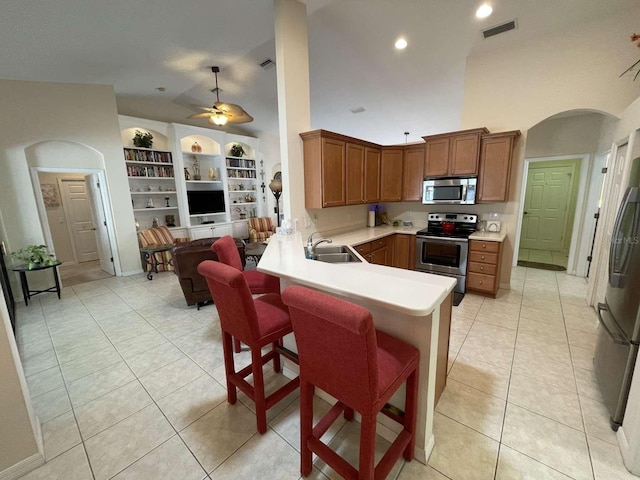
pixel 453 217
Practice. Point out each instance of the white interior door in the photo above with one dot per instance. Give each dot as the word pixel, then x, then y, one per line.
pixel 79 219
pixel 545 207
pixel 100 221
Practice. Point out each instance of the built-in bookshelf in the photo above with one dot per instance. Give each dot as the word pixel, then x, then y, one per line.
pixel 152 186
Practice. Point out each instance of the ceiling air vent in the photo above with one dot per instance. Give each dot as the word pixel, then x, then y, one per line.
pixel 505 27
pixel 268 64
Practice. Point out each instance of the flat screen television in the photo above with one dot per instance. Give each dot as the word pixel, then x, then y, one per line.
pixel 202 202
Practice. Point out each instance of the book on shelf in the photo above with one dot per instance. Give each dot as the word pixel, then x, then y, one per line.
pixel 133 155
pixel 232 173
pixel 143 171
pixel 241 163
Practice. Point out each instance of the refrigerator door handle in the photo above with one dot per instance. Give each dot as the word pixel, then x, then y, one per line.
pixel 620 338
pixel 617 278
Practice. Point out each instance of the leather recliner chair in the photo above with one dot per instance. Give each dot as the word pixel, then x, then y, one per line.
pixel 187 257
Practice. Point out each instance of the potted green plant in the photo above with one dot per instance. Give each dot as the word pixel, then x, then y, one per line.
pixel 34 256
pixel 143 139
pixel 237 150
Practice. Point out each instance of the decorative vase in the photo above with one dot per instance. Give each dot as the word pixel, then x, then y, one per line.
pixel 197 177
pixel 187 175
pixel 195 148
pixel 212 173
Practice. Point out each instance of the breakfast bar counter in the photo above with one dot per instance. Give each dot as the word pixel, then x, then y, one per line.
pixel 412 306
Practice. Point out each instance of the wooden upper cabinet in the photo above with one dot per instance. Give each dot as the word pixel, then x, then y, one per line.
pixel 453 154
pixel 333 172
pixel 496 153
pixel 371 175
pixel 436 163
pixel 355 174
pixel 413 173
pixel 391 174
pixel 464 154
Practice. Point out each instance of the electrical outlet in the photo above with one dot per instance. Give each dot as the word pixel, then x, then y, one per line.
pixel 307 222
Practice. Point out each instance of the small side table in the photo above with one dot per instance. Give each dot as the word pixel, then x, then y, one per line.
pixel 149 253
pixel 26 292
pixel 254 251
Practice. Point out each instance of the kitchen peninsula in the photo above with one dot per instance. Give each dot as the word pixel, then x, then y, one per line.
pixel 412 306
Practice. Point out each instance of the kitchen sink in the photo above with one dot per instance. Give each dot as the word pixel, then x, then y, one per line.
pixel 335 254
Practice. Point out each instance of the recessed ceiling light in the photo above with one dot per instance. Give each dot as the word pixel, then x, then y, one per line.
pixel 484 10
pixel 401 44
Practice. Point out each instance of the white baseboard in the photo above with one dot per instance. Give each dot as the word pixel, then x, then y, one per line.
pixel 22 468
pixel 131 272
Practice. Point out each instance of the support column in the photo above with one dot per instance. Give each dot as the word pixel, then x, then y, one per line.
pixel 294 105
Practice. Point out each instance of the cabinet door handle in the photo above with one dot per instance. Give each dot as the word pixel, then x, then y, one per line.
pixel 480 282
pixel 482 257
pixel 484 245
pixel 482 269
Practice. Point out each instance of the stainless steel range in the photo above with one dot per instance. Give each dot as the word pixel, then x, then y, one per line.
pixel 443 247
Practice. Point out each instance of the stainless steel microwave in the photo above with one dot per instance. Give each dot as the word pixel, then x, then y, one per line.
pixel 449 190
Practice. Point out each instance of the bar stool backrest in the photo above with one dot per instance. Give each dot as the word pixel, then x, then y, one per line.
pixel 336 344
pixel 233 299
pixel 227 252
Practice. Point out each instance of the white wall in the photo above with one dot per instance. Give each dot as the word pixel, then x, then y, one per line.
pixel 565 136
pixel 84 116
pixel 518 87
pixel 19 431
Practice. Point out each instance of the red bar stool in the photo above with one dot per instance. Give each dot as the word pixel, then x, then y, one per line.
pixel 227 252
pixel 257 323
pixel 341 353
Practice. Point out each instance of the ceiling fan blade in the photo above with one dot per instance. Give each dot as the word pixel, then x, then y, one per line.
pixel 202 115
pixel 212 109
pixel 229 108
pixel 244 117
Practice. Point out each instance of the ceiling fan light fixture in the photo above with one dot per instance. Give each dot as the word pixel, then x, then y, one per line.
pixel 484 10
pixel 219 119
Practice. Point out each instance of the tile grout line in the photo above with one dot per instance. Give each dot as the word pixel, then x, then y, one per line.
pixel 584 424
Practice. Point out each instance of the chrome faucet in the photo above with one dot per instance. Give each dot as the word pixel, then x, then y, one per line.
pixel 311 245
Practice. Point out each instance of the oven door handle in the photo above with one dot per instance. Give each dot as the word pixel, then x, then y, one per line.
pixel 445 239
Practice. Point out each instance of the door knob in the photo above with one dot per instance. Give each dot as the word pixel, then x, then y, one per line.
pixel 526 213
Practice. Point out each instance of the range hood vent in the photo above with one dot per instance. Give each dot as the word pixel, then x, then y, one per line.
pixel 505 27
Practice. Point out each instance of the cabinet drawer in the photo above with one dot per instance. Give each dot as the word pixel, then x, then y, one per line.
pixel 363 249
pixel 380 243
pixel 482 246
pixel 485 268
pixel 482 257
pixel 481 282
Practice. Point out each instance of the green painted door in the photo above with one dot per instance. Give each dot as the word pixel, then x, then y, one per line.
pixel 546 206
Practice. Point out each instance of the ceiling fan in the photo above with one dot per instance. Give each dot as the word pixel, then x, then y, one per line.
pixel 221 113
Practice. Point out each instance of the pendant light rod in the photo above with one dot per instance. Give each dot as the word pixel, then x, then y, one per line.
pixel 215 71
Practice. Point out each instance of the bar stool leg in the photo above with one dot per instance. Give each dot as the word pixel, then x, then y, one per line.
pixel 276 358
pixel 258 389
pixel 229 367
pixel 306 427
pixel 57 279
pixel 410 408
pixel 367 447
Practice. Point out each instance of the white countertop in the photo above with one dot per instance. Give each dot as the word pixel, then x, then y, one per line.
pixel 488 236
pixel 411 293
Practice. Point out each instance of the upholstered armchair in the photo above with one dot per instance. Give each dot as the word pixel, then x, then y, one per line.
pixel 159 235
pixel 260 229
pixel 187 257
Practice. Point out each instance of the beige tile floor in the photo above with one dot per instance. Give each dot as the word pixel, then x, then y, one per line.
pixel 129 384
pixel 544 256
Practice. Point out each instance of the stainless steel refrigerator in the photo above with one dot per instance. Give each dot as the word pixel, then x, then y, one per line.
pixel 619 315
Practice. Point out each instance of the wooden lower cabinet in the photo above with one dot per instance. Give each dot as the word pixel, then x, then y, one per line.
pixel 403 248
pixel 395 250
pixel 483 271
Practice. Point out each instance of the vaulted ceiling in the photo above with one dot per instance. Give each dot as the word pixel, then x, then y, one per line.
pixel 142 45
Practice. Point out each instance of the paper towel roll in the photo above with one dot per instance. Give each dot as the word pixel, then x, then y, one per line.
pixel 371 221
